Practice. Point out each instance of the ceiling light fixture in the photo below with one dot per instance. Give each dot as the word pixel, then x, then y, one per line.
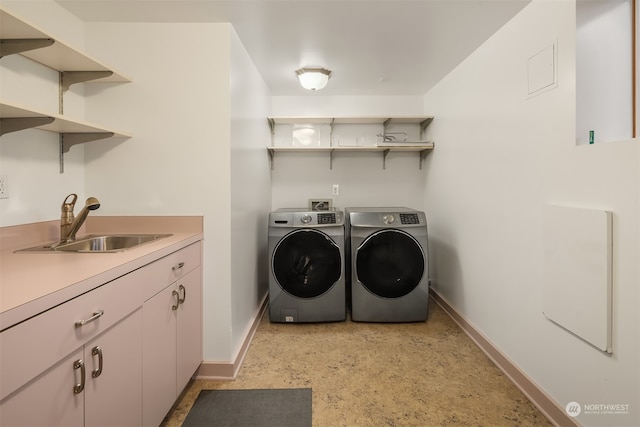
pixel 313 78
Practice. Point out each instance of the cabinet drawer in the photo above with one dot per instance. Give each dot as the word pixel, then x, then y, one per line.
pixel 29 348
pixel 171 268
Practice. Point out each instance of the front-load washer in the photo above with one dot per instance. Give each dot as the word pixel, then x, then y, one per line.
pixel 389 264
pixel 306 253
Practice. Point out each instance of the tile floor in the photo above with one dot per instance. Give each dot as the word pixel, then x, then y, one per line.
pixel 367 374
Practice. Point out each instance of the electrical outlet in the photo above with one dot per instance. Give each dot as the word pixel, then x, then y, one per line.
pixel 4 187
pixel 336 189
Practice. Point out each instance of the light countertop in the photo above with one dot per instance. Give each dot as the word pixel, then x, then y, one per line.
pixel 33 282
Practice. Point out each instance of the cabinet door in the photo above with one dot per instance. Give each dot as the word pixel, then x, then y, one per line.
pixel 48 400
pixel 113 391
pixel 189 327
pixel 159 323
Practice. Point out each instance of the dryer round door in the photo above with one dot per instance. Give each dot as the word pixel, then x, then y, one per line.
pixel 306 263
pixel 390 263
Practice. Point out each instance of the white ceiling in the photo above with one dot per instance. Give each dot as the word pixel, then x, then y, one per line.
pixel 373 47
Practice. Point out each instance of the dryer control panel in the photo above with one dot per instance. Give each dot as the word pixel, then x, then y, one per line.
pixel 386 217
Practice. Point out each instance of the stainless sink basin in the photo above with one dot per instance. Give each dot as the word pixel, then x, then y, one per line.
pixel 99 244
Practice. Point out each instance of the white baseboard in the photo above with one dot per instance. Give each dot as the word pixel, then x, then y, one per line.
pixel 229 370
pixel 549 408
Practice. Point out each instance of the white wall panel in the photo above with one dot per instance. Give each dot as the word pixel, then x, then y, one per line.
pixel 499 158
pixel 577 272
pixel 30 158
pixel 250 191
pixel 297 177
pixel 178 160
pixel 332 106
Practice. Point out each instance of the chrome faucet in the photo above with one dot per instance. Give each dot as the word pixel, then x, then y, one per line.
pixel 69 225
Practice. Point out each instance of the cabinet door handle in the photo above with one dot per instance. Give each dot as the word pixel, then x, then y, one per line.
pixel 79 364
pixel 184 294
pixel 95 316
pixel 177 295
pixel 178 266
pixel 97 351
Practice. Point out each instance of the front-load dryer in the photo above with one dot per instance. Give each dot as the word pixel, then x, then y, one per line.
pixel 389 264
pixel 306 278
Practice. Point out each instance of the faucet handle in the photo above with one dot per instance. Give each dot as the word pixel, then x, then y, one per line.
pixel 67 206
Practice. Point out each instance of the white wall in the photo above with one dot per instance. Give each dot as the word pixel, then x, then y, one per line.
pixel 250 191
pixel 317 105
pixel 180 111
pixel 604 77
pixel 30 158
pixel 500 157
pixel 198 149
pixel 177 163
pixel 297 177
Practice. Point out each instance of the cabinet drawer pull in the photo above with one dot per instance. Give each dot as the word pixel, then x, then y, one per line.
pixel 178 266
pixel 79 364
pixel 96 315
pixel 177 295
pixel 184 294
pixel 97 351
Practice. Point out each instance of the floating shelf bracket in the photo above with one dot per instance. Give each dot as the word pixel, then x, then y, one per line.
pixel 273 133
pixel 385 153
pixel 68 140
pixel 423 155
pixel 14 124
pixel 271 154
pixel 68 78
pixel 423 126
pixel 12 46
pixel 385 124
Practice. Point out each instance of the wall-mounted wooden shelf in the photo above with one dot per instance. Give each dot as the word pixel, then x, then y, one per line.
pixel 19 37
pixel 421 147
pixel 14 118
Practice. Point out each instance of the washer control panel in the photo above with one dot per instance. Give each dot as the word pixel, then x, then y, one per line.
pixel 300 218
pixel 388 219
pixel 409 218
pixel 327 218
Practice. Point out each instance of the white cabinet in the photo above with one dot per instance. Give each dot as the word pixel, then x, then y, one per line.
pixel 189 329
pixel 49 399
pixel 353 134
pixel 160 356
pixel 118 355
pixel 172 343
pixel 98 384
pixel 33 346
pixel 113 375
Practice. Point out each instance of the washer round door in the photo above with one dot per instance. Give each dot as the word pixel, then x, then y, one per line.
pixel 390 263
pixel 306 263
